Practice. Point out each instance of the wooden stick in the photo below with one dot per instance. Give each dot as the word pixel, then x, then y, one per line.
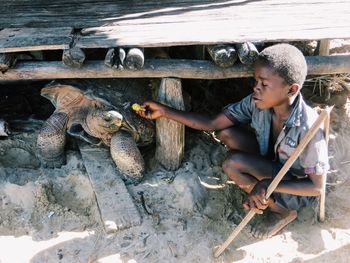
pixel 308 136
pixel 161 68
pixel 323 194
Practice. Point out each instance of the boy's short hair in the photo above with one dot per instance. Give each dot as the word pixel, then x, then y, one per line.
pixel 287 61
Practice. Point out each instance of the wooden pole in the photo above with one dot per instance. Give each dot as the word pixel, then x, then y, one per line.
pixel 308 136
pixel 162 68
pixel 170 134
pixel 323 194
pixel 323 47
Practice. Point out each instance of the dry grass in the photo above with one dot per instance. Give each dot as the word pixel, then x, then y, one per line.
pixel 326 85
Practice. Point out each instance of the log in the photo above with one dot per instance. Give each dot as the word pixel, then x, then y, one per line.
pixel 110 58
pixel 135 59
pixel 247 53
pixel 162 68
pixel 223 55
pixel 170 134
pixel 115 58
pixel 7 60
pixel 120 58
pixel 73 57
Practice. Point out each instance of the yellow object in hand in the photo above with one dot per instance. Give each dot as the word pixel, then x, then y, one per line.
pixel 138 107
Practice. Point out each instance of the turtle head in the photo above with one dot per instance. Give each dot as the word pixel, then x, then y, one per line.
pixel 62 95
pixel 115 121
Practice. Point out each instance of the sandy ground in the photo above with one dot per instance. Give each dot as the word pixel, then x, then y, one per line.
pixel 51 215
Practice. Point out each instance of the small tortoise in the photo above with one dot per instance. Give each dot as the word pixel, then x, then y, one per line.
pixel 86 113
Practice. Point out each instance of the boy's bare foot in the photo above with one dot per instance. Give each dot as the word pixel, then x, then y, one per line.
pixel 273 223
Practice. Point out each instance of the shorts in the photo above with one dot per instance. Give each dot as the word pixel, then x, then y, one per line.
pixel 291 202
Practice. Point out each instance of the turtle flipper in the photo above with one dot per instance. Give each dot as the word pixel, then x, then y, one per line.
pixel 127 156
pixel 52 139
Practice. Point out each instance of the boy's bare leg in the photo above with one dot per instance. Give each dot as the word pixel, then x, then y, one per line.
pixel 246 167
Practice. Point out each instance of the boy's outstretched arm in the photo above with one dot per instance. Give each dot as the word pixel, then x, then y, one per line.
pixel 193 120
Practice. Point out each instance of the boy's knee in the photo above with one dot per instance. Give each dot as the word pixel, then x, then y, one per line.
pixel 234 161
pixel 223 135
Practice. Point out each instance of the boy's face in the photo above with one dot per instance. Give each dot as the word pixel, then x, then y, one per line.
pixel 270 90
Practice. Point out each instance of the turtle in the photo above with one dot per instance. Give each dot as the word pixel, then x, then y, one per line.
pixel 97 112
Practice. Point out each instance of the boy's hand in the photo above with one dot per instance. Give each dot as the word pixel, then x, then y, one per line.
pixel 256 200
pixel 151 110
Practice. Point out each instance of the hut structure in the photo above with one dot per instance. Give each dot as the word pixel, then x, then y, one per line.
pixel 73 28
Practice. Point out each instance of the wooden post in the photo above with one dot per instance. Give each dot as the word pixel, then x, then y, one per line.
pixel 323 47
pixel 6 61
pixel 170 134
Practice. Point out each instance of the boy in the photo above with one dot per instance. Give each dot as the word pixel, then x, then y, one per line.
pixel 280 118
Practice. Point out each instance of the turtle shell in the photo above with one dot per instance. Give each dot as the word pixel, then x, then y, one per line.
pixel 119 95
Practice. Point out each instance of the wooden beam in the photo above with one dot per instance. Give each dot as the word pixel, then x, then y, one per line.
pixel 161 68
pixel 110 57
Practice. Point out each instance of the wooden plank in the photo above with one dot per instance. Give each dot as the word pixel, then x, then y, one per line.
pixel 152 23
pixel 31 39
pixel 162 68
pixel 114 201
pixel 201 33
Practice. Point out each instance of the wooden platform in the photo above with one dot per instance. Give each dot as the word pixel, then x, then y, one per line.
pixel 153 23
